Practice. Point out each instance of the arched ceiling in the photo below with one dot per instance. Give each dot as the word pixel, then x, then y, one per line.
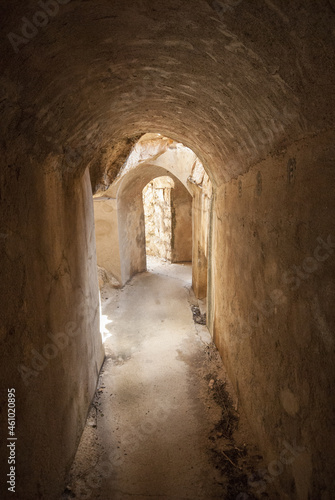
pixel 153 150
pixel 134 182
pixel 233 80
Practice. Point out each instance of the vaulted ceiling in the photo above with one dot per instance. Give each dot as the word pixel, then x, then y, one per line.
pixel 233 80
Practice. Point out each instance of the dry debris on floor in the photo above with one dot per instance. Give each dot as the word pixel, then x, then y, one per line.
pixel 237 460
pixel 198 318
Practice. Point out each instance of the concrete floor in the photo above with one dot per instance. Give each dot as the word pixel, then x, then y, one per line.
pixel 154 427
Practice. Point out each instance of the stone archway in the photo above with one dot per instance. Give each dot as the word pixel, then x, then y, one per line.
pixel 119 214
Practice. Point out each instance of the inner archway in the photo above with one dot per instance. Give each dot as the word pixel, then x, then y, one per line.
pixel 119 211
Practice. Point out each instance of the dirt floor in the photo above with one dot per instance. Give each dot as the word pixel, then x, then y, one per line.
pixel 164 422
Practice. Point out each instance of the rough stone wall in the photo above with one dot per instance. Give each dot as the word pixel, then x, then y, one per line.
pixel 49 336
pixel 272 297
pixel 168 220
pixel 158 217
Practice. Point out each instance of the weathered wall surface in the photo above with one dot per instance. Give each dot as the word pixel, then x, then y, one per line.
pixel 157 215
pixel 131 231
pixel 49 332
pixel 168 220
pixel 201 188
pixel 181 244
pixel 273 308
pixel 107 235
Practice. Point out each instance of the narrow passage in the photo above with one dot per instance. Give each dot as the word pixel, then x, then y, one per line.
pixel 162 424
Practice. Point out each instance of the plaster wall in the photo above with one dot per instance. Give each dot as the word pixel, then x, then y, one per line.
pixel 49 332
pixel 202 201
pixel 107 235
pixel 178 159
pixel 272 296
pixel 131 232
pixel 181 244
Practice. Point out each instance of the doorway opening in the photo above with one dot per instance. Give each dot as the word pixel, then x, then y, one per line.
pixel 158 218
pixel 167 209
pixel 159 204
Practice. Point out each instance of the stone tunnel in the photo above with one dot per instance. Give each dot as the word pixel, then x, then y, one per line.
pixel 234 100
